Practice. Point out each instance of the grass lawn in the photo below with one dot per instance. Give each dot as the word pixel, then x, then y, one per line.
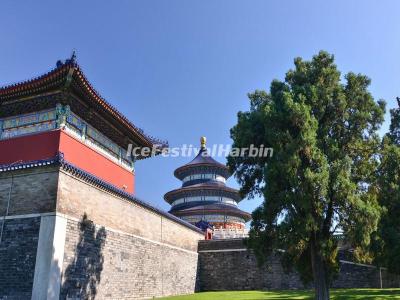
pixel 339 294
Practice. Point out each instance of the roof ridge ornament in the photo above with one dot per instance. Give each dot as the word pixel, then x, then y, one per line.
pixel 203 141
pixel 71 60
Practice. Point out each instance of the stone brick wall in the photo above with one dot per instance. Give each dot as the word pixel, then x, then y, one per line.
pixel 126 250
pixel 389 280
pixel 117 249
pixel 76 198
pixel 33 191
pixel 17 257
pixel 228 265
pixel 113 265
pixel 364 276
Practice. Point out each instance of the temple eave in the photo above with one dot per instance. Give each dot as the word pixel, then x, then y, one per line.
pixel 69 86
pixel 181 172
pixel 216 191
pixel 242 214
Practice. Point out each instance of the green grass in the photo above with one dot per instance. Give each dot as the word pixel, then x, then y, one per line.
pixel 338 294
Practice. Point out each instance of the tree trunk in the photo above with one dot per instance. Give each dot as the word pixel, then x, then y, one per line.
pixel 320 275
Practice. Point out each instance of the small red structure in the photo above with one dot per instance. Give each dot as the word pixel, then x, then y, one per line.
pixel 209 234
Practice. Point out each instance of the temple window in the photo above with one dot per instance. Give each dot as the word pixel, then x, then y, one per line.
pixel 204 176
pixel 204 198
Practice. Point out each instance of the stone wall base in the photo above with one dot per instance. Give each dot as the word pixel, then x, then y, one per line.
pixel 105 264
pixel 228 265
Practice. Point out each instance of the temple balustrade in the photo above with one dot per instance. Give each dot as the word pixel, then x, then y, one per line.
pixel 230 233
pixel 213 218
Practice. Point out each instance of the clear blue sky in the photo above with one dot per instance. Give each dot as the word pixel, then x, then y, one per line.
pixel 182 69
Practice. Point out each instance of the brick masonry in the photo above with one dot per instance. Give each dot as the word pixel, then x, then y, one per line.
pixel 17 257
pixel 76 197
pixel 227 265
pixel 33 191
pixel 111 265
pixel 123 251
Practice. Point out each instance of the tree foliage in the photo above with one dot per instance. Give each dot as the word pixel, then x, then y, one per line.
pixel 320 179
pixel 387 238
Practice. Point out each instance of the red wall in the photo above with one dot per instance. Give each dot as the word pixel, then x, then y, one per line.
pixel 91 161
pixel 46 145
pixel 31 147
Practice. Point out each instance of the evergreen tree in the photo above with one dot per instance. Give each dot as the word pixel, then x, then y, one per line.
pixel 387 243
pixel 319 180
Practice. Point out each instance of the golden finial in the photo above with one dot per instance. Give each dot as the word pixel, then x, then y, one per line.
pixel 203 141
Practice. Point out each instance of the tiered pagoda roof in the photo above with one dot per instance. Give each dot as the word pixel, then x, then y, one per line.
pixel 203 189
pixel 204 195
pixel 216 208
pixel 202 161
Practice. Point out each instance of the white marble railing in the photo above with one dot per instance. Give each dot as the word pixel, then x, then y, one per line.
pixel 230 233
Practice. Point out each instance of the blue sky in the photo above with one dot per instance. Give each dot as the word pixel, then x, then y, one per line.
pixel 182 69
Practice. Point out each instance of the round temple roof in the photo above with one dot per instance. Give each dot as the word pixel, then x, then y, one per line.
pixel 203 159
pixel 211 188
pixel 213 209
pixel 204 192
